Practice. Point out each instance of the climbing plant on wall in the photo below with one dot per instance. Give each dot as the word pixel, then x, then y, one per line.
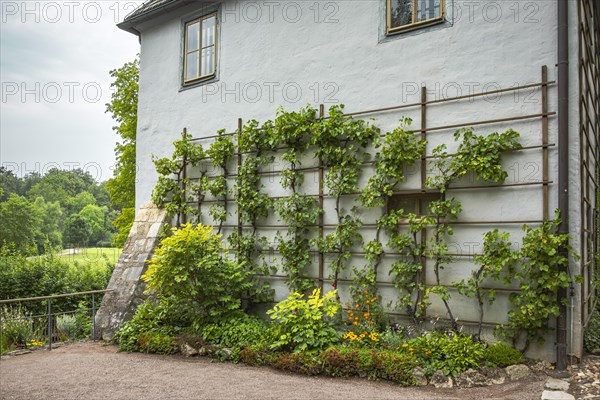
pixel 341 144
pixel 174 189
pixel 395 151
pixel 481 155
pixel 293 130
pixel 220 153
pixel 417 238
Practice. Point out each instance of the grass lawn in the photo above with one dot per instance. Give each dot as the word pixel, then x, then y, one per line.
pixel 93 255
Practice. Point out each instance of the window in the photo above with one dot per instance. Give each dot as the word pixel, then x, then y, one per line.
pixel 407 14
pixel 413 203
pixel 200 58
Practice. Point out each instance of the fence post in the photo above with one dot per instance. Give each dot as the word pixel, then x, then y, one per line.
pixel 93 318
pixel 49 324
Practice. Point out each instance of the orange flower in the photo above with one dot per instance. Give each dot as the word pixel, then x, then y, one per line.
pixel 355 322
pixel 366 292
pixel 366 315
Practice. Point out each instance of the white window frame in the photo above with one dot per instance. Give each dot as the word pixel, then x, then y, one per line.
pixel 201 76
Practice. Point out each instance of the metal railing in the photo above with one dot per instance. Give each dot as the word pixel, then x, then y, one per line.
pixel 49 313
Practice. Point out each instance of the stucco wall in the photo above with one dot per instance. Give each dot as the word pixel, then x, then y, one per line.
pixel 293 53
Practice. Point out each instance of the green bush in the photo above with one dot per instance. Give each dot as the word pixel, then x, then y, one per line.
pixel 48 275
pixel 392 339
pixel 153 327
pixel 451 353
pixel 235 332
pixel 73 326
pixel 190 267
pixel 591 337
pixel 304 325
pixel 339 361
pixel 502 355
pixel 15 329
pixel 156 342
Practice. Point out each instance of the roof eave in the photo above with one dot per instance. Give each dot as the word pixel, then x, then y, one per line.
pixel 129 23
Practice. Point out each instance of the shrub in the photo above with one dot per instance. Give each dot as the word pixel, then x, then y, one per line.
pixel 71 326
pixel 502 355
pixel 392 366
pixel 392 339
pixel 591 337
pixel 301 363
pixel 255 354
pixel 48 275
pixel 156 342
pixel 152 328
pixel 452 353
pixel 190 267
pixel 236 332
pixel 15 329
pixel 304 325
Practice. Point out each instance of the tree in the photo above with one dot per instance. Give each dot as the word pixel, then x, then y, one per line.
pixel 123 108
pixel 49 229
pixel 73 205
pixel 77 231
pixel 9 183
pixel 60 185
pixel 20 224
pixel 95 217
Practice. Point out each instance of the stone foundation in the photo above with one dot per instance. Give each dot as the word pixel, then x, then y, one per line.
pixel 119 305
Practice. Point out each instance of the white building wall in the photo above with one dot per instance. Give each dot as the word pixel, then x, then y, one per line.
pixel 295 53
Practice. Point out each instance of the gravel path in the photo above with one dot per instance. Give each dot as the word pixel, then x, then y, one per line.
pixel 92 371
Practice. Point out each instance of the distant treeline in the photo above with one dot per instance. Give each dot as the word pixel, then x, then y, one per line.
pixel 60 209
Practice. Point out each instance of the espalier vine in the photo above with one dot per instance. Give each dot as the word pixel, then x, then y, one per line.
pixel 414 239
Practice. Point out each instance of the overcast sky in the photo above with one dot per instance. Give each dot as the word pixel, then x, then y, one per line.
pixel 55 58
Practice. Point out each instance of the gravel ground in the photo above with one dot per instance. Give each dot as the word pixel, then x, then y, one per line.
pixel 92 371
pixel 585 378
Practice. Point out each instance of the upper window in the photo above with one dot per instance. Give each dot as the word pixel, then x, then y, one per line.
pixel 407 14
pixel 200 58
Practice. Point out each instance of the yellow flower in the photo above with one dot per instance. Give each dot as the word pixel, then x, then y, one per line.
pixel 405 345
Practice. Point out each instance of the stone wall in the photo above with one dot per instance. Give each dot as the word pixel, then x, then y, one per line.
pixel 119 305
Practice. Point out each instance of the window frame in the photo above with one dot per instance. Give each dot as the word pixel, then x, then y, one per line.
pixel 419 199
pixel 200 20
pixel 414 24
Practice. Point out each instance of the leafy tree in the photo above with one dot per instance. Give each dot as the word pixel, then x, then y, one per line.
pixel 77 231
pixel 20 223
pixel 96 218
pixel 75 204
pixel 49 228
pixel 9 183
pixel 60 185
pixel 123 108
pixel 123 223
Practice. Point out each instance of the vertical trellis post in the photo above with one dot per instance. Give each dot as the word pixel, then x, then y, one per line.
pixel 421 278
pixel 183 178
pixel 545 140
pixel 321 215
pixel 239 165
